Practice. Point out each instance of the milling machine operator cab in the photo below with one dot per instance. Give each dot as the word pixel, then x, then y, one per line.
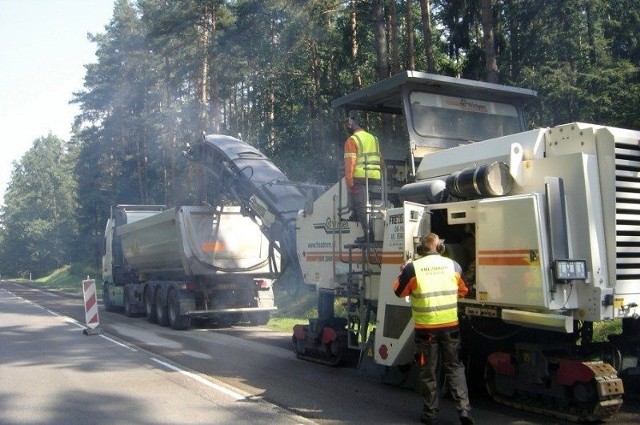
pixel 439 113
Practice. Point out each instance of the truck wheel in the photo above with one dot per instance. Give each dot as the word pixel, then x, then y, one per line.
pixel 149 305
pixel 259 318
pixel 127 304
pixel 177 321
pixel 106 299
pixel 162 315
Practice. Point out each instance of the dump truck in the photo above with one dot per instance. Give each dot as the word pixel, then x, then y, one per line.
pixel 177 264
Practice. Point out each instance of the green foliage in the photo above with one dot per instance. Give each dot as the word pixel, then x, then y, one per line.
pixel 69 278
pixel 294 307
pixel 602 330
pixel 38 219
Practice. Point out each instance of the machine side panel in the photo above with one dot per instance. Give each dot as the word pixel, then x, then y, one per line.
pixel 511 253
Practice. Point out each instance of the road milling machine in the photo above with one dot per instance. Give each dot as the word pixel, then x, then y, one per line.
pixel 544 222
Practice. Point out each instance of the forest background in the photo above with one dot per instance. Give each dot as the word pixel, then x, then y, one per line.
pixel 267 71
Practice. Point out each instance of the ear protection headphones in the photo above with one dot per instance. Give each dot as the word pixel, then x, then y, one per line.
pixel 441 248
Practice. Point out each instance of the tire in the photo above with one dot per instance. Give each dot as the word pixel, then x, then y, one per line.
pixel 149 305
pixel 127 304
pixel 259 318
pixel 106 299
pixel 162 315
pixel 117 261
pixel 177 321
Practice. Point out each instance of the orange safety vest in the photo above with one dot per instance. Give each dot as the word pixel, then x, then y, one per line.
pixel 368 158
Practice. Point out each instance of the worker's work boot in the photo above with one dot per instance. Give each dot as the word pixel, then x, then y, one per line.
pixel 466 419
pixel 363 239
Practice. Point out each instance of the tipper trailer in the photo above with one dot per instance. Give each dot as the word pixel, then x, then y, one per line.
pixel 177 264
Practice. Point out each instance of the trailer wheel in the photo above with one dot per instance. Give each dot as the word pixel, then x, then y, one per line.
pixel 177 321
pixel 149 305
pixel 162 315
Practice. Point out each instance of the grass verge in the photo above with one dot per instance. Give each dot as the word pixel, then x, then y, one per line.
pixel 68 279
pixel 294 307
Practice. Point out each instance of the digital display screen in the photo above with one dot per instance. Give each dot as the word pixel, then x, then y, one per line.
pixel 570 269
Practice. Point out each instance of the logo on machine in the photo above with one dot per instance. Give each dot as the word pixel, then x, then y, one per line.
pixel 396 219
pixel 476 106
pixel 332 226
pixel 468 105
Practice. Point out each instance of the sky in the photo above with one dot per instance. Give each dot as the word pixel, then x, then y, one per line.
pixel 43 50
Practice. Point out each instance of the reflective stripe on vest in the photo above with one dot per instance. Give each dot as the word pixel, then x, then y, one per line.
pixel 435 300
pixel 368 158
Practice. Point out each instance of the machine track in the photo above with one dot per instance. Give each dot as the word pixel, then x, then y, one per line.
pixel 596 400
pixel 321 341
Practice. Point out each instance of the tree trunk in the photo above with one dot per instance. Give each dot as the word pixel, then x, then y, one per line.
pixel 204 79
pixel 214 89
pixel 393 38
pixel 411 50
pixel 141 158
pixel 425 5
pixel 491 65
pixel 356 77
pixel 591 32
pixel 318 131
pixel 382 62
pixel 514 28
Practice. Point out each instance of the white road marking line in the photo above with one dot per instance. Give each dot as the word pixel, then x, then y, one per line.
pixel 74 322
pixel 118 343
pixel 71 321
pixel 236 396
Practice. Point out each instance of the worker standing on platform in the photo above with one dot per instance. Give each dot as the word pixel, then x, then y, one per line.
pixel 362 172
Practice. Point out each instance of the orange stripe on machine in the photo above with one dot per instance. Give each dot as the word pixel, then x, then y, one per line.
pixel 327 256
pixel 507 257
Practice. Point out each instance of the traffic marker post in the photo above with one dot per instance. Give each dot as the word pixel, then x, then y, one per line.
pixel 90 307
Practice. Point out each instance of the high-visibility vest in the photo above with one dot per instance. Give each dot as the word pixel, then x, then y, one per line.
pixel 368 159
pixel 435 300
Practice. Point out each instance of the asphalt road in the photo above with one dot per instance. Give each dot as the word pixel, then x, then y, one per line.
pixel 51 373
pixel 257 365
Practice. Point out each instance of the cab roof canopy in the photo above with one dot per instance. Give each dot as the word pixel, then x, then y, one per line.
pixel 386 95
pixel 441 112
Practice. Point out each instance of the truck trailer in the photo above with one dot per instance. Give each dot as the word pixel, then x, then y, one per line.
pixel 177 264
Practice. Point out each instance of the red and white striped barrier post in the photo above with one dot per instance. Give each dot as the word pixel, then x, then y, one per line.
pixel 90 307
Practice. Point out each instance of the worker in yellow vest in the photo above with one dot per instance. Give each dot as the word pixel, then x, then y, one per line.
pixel 434 284
pixel 362 170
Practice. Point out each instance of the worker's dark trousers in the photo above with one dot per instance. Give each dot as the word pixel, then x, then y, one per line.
pixel 358 200
pixel 427 346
